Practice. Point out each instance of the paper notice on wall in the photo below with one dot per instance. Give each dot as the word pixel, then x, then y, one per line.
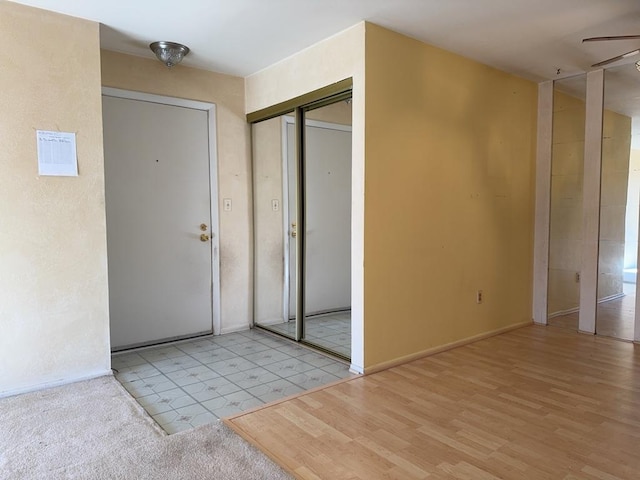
pixel 57 153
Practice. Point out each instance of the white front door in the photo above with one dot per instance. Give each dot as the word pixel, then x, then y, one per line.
pixel 158 204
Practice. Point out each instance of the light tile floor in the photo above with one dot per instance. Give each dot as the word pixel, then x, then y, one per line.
pixel 190 383
pixel 331 331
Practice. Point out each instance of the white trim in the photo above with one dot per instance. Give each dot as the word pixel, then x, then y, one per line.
pixel 441 348
pixel 591 201
pixel 210 108
pixel 636 326
pixel 560 313
pixel 215 222
pixel 57 383
pixel 357 224
pixel 152 98
pixel 286 121
pixel 543 202
pixel 319 124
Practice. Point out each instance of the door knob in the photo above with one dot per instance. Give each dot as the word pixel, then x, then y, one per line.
pixel 204 237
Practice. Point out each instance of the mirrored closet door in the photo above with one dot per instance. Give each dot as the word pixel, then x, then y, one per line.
pixel 274 233
pixel 619 198
pixel 302 224
pixel 565 224
pixel 609 206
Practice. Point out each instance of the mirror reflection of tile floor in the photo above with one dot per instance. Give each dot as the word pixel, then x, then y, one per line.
pixel 331 331
pixel 189 383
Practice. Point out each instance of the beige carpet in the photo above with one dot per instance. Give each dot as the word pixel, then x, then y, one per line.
pixel 95 430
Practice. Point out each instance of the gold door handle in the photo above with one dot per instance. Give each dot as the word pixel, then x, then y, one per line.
pixel 204 237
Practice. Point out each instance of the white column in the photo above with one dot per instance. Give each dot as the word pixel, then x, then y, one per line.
pixel 591 201
pixel 543 200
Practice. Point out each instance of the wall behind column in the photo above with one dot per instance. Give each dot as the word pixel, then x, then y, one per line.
pixel 616 153
pixel 450 157
pixel 234 176
pixel 53 266
pixel 329 61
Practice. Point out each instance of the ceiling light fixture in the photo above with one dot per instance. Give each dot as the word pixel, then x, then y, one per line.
pixel 169 53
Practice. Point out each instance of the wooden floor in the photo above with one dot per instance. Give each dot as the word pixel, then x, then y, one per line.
pixel 535 403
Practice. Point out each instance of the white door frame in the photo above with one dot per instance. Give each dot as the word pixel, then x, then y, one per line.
pixel 210 108
pixel 286 121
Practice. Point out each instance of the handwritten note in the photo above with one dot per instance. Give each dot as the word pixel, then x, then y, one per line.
pixel 57 153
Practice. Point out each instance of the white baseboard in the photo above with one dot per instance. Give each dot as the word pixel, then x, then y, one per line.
pixel 57 383
pixel 560 313
pixel 241 328
pixel 442 348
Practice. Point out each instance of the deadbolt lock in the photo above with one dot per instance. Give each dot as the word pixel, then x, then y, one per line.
pixel 203 227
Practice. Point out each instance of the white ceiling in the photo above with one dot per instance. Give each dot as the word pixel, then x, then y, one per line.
pixel 534 39
pixel 530 38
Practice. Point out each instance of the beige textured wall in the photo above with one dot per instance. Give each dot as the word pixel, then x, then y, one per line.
pixel 450 155
pixel 334 59
pixel 339 113
pixel 227 92
pixel 616 152
pixel 633 209
pixel 53 267
pixel 326 62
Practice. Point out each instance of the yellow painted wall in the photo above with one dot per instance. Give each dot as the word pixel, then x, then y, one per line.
pixel 449 175
pixel 234 175
pixel 54 323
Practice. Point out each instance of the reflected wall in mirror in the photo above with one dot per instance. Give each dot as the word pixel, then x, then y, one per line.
pixel 619 213
pixel 272 233
pixel 565 230
pixel 327 186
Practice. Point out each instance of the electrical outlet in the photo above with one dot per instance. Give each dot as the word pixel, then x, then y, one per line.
pixel 479 297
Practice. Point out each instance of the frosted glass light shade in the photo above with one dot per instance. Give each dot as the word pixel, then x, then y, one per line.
pixel 169 53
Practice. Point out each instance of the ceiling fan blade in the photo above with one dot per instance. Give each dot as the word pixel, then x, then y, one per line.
pixel 615 59
pixel 616 37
